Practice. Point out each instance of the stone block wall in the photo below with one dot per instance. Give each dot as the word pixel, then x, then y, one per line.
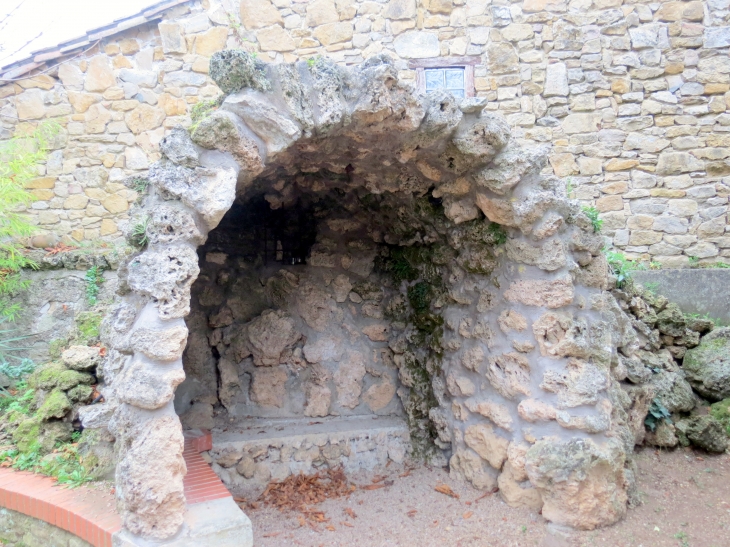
pixel 633 96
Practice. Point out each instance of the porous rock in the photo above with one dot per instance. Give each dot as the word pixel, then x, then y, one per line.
pixel 582 484
pixel 707 367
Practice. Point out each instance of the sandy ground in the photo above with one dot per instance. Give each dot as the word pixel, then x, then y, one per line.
pixel 685 494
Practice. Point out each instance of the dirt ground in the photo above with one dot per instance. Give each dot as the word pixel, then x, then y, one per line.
pixel 685 503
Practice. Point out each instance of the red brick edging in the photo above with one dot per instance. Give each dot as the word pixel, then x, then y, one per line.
pixel 90 514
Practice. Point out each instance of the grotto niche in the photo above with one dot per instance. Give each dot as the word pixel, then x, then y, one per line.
pixel 381 275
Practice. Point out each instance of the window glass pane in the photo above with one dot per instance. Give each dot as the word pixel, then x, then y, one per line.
pixel 454 78
pixel 457 93
pixel 434 79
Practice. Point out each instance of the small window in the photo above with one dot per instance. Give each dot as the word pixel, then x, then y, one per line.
pixel 451 79
pixel 452 74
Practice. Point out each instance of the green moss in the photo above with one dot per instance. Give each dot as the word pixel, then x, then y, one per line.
pixel 368 290
pixel 56 375
pixel 202 110
pixel 56 347
pixel 27 435
pixel 721 412
pixel 235 69
pixel 56 405
pixel 81 394
pixel 88 324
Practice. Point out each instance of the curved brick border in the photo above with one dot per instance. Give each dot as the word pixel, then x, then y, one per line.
pixel 91 513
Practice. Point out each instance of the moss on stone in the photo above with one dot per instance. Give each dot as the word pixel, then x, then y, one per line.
pixel 56 405
pixel 721 412
pixel 88 324
pixel 55 375
pixel 81 394
pixel 27 435
pixel 235 69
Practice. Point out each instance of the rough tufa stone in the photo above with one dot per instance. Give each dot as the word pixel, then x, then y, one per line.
pixel 235 69
pixel 707 366
pixel 581 483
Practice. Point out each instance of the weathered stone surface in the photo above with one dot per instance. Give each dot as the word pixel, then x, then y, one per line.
pixel 179 148
pixel 467 465
pixel 706 432
pixel 549 294
pixel 581 483
pixel 161 344
pixel 210 192
pixel 166 275
pixel 417 45
pixel 268 386
pixel 707 367
pixel 151 498
pixel 509 374
pixel 379 395
pixel 143 118
pixel 148 386
pixel 549 256
pixel 234 70
pixel 490 446
pixel 517 493
pixel 99 74
pixel 269 335
pixel 224 131
pixel 275 129
pixel 496 412
pixel 578 384
pixel 81 358
pixel 348 380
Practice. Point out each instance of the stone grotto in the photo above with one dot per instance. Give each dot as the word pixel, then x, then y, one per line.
pixel 340 271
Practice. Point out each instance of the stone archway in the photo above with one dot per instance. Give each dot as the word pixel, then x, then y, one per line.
pixel 505 342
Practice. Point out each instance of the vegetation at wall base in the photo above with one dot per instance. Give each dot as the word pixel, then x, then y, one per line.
pixel 19 158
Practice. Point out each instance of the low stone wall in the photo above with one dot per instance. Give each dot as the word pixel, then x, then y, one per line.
pixel 19 530
pixel 247 460
pixel 700 291
pixel 52 306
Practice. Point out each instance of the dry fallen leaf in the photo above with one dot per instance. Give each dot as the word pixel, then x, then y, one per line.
pixel 271 534
pixel 350 512
pixel 412 513
pixel 348 524
pixel 446 489
pixel 378 478
pixel 468 514
pixel 372 486
pixel 405 473
pixel 330 528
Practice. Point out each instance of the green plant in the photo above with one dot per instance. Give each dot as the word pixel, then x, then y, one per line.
pixel 19 158
pixel 64 464
pixel 498 233
pixel 622 267
pixel 694 261
pixel 202 110
pixel 651 286
pixel 9 341
pixel 569 188
pixel 138 236
pixel 592 214
pixel 657 413
pixel 17 401
pixel 19 370
pixel 139 184
pixel 94 278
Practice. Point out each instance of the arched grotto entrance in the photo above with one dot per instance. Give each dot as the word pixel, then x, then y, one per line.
pixel 389 264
